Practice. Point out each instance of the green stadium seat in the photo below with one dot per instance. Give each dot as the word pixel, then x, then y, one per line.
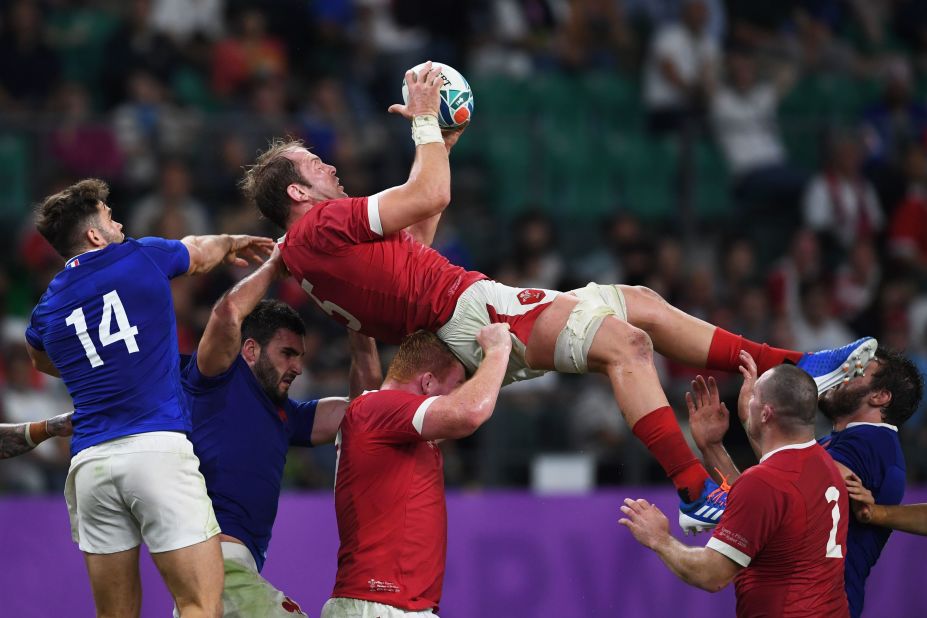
pixel 14 177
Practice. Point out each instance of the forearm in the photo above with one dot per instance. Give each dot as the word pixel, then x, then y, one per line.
pixel 718 459
pixel 430 175
pixel 14 440
pixel 247 293
pixel 690 564
pixel 206 252
pixel 905 517
pixel 366 373
pixel 477 397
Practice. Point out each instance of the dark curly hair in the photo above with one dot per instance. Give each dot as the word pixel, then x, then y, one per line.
pixel 63 218
pixel 900 377
pixel 267 318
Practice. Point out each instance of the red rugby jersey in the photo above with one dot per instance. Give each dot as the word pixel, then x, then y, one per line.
pixel 786 522
pixel 389 501
pixel 384 286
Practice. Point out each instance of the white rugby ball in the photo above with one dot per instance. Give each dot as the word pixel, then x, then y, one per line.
pixel 456 96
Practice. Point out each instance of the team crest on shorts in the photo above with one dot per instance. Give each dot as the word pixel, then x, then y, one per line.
pixel 529 297
pixel 291 606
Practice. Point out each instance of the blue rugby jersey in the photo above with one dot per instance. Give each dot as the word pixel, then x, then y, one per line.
pixel 873 452
pixel 107 323
pixel 241 438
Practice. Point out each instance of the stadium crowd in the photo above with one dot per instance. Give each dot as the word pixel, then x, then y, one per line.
pixel 809 117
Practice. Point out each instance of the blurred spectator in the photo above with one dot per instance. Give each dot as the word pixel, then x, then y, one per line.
pixel 597 35
pixel 29 68
pixel 78 31
pixel 907 235
pixel 857 281
pixel 336 134
pixel 184 20
pixel 80 145
pixel 816 24
pixel 517 39
pixel 535 261
pixel 171 211
pixel 839 201
pixel 738 270
pixel 897 119
pixel 136 46
pixel 250 54
pixel 680 70
pixel 752 318
pixel 815 326
pixel 744 116
pixel 801 265
pixel 148 127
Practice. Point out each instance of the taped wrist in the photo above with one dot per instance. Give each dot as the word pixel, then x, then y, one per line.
pixel 425 130
pixel 28 436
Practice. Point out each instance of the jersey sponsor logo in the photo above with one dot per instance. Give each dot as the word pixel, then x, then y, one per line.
pixel 530 297
pixel 378 586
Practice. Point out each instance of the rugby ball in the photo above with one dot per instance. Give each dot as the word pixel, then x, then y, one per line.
pixel 456 96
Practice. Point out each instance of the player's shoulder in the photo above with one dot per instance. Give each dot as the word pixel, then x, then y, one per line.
pixel 874 437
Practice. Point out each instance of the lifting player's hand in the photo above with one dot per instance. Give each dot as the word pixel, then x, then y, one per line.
pixel 861 499
pixel 646 522
pixel 423 98
pixel 276 263
pixel 495 338
pixel 709 418
pixel 249 249
pixel 748 371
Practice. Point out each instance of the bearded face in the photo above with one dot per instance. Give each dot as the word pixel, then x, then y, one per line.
pixel 847 398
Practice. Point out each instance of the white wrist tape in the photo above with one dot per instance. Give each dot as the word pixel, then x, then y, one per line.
pixel 425 130
pixel 28 436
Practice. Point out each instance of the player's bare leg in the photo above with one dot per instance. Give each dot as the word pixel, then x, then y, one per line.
pixel 624 354
pixel 195 576
pixel 687 339
pixel 116 585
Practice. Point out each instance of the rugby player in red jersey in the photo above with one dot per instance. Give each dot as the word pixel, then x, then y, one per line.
pixel 367 263
pixel 782 538
pixel 389 487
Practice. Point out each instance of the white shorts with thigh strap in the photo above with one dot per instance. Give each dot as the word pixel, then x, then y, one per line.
pixel 246 594
pixel 355 608
pixel 518 307
pixel 596 302
pixel 144 487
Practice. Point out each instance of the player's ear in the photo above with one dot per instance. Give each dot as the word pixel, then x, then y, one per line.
pixel 297 192
pixel 880 398
pixel 250 350
pixel 428 383
pixel 93 237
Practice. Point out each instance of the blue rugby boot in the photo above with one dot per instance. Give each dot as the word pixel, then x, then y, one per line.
pixel 704 513
pixel 831 367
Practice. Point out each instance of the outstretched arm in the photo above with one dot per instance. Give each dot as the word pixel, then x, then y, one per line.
pixel 207 252
pixel 18 439
pixel 905 517
pixel 221 340
pixel 424 231
pixel 749 371
pixel 709 420
pixel 697 566
pixel 427 192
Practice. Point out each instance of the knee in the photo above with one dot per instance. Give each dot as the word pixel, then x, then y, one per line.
pixel 627 344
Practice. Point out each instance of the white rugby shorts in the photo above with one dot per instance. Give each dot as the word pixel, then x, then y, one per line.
pixel 146 488
pixel 489 302
pixel 339 607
